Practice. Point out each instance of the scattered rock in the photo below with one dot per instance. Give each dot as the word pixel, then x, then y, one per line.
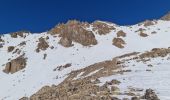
pixel 59 68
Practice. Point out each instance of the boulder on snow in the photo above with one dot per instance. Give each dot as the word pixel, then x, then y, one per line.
pixel 118 42
pixel 10 48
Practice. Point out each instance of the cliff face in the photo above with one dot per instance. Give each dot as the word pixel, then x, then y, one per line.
pixel 89 61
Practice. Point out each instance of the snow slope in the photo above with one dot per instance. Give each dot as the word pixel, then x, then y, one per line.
pixel 142 76
pixel 39 72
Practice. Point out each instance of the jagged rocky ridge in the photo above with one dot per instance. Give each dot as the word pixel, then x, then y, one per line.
pixel 99 61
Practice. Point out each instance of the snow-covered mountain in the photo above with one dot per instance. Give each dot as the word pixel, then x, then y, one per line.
pixel 111 62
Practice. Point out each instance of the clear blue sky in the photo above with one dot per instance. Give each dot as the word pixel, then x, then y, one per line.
pixel 41 15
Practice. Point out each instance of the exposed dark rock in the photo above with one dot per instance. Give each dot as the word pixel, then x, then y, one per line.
pixel 10 48
pixel 22 43
pixel 45 55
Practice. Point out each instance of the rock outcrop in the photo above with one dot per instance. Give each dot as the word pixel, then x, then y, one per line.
pixel 74 31
pixel 156 52
pixel 147 23
pixel 102 28
pixel 19 33
pixel 118 42
pixel 15 65
pixel 121 34
pixel 42 44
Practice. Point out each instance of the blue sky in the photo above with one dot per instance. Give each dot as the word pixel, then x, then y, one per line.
pixel 41 15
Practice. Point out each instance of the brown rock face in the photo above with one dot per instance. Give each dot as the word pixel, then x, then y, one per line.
pixel 15 65
pixel 19 33
pixel 42 45
pixel 10 48
pixel 102 28
pixel 74 31
pixel 166 17
pixel 121 33
pixel 118 42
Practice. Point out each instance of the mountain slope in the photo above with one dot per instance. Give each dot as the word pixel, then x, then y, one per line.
pixel 51 56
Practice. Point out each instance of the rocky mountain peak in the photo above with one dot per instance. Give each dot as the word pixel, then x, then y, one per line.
pixel 87 61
